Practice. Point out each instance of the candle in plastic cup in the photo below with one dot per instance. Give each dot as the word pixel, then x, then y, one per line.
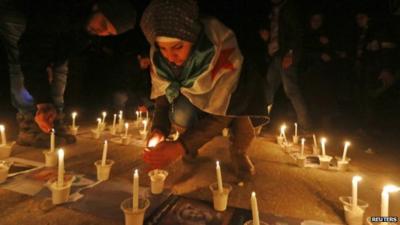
pixel 157 178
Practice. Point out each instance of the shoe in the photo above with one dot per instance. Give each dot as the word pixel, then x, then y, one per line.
pixel 31 135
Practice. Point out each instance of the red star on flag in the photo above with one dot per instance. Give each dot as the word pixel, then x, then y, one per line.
pixel 223 62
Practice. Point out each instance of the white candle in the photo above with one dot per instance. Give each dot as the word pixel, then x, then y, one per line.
pixel 219 178
pixel 323 141
pixel 52 141
pixel 74 114
pixel 104 117
pixel 354 198
pixel 145 125
pixel 303 140
pixel 126 129
pixel 254 209
pixel 104 156
pixel 147 115
pixel 120 121
pixel 385 198
pixel 283 128
pixel 60 177
pixel 315 141
pixel 114 121
pixel 140 114
pixel 295 129
pixel 3 135
pixel 346 146
pixel 98 125
pixel 137 115
pixel 135 199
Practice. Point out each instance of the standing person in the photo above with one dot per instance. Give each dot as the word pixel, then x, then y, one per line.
pixel 285 49
pixel 200 83
pixel 39 37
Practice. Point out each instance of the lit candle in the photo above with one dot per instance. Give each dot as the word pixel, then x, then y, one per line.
pixel 323 141
pixel 140 114
pixel 52 140
pixel 104 117
pixel 3 135
pixel 254 209
pixel 60 177
pixel 114 121
pixel 385 198
pixel 283 128
pixel 219 178
pixel 354 198
pixel 126 129
pixel 74 114
pixel 295 129
pixel 137 115
pixel 315 141
pixel 120 120
pixel 104 156
pixel 145 125
pixel 346 146
pixel 303 140
pixel 153 142
pixel 147 115
pixel 135 199
pixel 98 124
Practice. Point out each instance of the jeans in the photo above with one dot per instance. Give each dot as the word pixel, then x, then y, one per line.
pixel 276 76
pixel 183 113
pixel 12 25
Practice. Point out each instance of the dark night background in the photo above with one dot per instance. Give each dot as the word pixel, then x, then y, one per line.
pixel 93 71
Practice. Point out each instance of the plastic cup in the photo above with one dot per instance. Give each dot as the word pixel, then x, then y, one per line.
pixel 50 158
pixel 295 140
pixel 157 178
pixel 5 151
pixel 125 140
pixel 220 199
pixel 74 130
pixel 301 161
pixel 134 217
pixel 324 162
pixel 103 172
pixel 343 165
pixel 4 168
pixel 280 140
pixel 353 216
pixel 225 132
pixel 59 194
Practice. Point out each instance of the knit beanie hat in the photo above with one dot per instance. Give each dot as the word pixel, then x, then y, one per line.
pixel 171 18
pixel 121 14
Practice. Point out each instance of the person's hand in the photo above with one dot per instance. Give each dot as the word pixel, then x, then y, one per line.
pixel 324 40
pixel 387 78
pixel 155 137
pixel 287 61
pixel 144 62
pixel 45 116
pixel 325 57
pixel 164 154
pixel 264 34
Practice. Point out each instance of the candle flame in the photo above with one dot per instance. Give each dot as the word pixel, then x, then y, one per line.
pixel 145 122
pixel 323 140
pixel 357 178
pixel 126 125
pixel 347 143
pixel 74 114
pixel 136 173
pixel 60 152
pixel 303 140
pixel 98 120
pixel 217 163
pixel 2 128
pixel 253 194
pixel 105 142
pixel 153 142
pixel 391 188
pixel 104 114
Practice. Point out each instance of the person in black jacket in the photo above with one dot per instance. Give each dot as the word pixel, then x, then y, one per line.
pixel 39 37
pixel 285 40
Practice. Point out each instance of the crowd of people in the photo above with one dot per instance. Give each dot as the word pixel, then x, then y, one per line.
pixel 199 69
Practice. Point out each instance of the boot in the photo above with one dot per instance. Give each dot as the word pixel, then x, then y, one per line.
pixel 31 135
pixel 62 130
pixel 242 134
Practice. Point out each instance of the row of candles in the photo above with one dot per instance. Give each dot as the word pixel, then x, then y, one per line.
pixel 323 141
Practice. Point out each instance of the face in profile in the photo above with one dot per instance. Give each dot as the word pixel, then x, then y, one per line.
pixel 99 25
pixel 316 21
pixel 176 52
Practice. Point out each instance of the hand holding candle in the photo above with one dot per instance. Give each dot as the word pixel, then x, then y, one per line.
pixel 104 156
pixel 254 209
pixel 135 198
pixel 354 198
pixel 60 177
pixel 219 178
pixel 3 135
pixel 346 146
